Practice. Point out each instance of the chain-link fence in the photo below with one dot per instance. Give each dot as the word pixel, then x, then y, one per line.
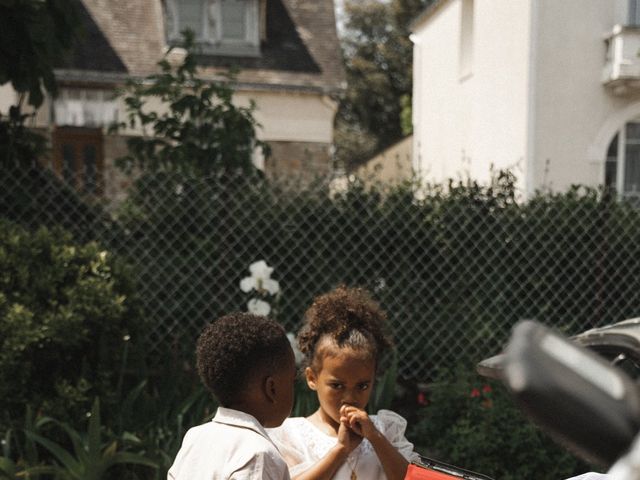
pixel 454 267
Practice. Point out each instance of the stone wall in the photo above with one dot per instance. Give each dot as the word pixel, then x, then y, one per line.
pixel 304 160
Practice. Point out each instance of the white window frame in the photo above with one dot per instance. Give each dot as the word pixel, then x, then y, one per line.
pixel 212 40
pixel 621 163
pixel 467 11
pixel 633 13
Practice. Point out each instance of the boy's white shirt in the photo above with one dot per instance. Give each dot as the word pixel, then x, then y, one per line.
pixel 232 446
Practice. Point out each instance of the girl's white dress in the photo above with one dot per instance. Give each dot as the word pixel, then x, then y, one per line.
pixel 302 444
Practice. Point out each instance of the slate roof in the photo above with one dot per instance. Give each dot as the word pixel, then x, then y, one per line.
pixel 83 58
pixel 126 38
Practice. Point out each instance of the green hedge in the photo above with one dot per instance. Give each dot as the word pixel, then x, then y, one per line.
pixel 474 424
pixel 455 267
pixel 65 309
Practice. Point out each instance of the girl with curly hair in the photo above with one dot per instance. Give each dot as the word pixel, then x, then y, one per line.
pixel 343 341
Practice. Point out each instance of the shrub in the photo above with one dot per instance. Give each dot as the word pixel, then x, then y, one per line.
pixel 455 268
pixel 475 425
pixel 65 311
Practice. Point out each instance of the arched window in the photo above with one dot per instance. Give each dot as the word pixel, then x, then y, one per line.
pixel 622 165
pixel 221 27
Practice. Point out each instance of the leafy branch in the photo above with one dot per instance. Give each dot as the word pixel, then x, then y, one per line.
pixel 201 131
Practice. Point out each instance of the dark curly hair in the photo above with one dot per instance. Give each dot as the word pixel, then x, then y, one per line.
pixel 235 348
pixel 350 318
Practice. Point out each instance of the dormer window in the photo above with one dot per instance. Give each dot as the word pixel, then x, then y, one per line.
pixel 633 17
pixel 221 27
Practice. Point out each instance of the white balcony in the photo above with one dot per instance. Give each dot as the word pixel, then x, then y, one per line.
pixel 622 69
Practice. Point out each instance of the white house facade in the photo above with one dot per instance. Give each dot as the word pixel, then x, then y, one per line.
pixel 548 89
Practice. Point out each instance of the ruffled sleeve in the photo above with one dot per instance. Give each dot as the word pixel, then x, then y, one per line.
pixel 292 446
pixel 393 427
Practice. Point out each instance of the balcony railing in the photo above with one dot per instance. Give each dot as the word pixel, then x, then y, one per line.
pixel 622 69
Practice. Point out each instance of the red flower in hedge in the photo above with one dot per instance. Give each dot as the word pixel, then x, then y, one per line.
pixel 422 399
pixel 475 393
pixel 486 389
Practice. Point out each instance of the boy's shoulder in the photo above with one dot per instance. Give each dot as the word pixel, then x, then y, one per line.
pixel 225 447
pixel 233 427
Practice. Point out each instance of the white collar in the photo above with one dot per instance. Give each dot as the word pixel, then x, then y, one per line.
pixel 237 418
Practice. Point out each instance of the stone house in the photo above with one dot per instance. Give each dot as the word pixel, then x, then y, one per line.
pixel 289 61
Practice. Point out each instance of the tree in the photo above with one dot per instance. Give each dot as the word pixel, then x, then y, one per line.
pixel 34 35
pixel 200 132
pixel 378 60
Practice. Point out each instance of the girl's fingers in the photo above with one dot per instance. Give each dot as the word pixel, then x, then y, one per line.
pixel 359 415
pixel 352 414
pixel 347 409
pixel 354 423
pixel 356 429
pixel 355 419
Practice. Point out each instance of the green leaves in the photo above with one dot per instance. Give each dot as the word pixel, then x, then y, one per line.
pixel 34 34
pixel 64 309
pixel 10 470
pixel 19 145
pixel 475 425
pixel 378 61
pixel 139 437
pixel 19 453
pixel 198 130
pixel 91 457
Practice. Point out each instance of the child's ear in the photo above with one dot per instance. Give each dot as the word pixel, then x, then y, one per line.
pixel 269 387
pixel 311 378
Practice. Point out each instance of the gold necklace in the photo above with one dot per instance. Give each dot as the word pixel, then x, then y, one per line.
pixel 353 467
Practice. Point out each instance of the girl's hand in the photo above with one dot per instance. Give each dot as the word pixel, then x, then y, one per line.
pixel 347 438
pixel 358 421
pixel 393 463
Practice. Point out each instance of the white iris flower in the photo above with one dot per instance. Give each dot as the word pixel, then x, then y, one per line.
pixel 258 307
pixel 260 279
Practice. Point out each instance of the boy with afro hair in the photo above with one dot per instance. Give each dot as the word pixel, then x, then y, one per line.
pixel 247 363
